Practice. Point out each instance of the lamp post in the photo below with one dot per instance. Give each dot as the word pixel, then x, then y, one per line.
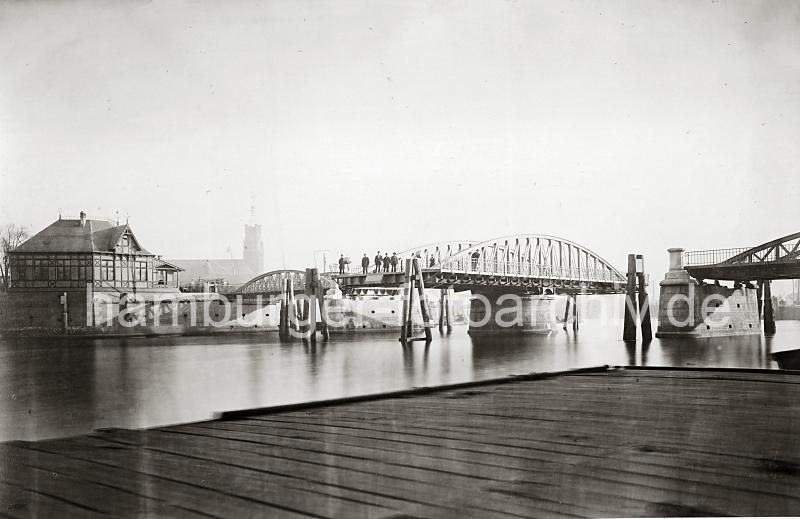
pixel 324 258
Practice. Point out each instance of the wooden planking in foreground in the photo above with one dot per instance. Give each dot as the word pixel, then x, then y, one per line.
pixel 634 442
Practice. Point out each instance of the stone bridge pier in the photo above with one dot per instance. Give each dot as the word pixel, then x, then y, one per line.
pixel 691 308
pixel 498 312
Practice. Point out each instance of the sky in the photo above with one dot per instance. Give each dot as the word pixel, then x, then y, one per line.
pixel 358 126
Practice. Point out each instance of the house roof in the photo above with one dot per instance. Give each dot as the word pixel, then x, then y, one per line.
pixel 70 236
pixel 166 265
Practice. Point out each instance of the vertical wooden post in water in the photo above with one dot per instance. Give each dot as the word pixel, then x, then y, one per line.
pixel 312 276
pixel 769 316
pixel 566 310
pixel 319 294
pixel 286 304
pixel 759 295
pixel 404 330
pixel 423 300
pixel 292 307
pixel 575 313
pixel 644 303
pixel 629 330
pixel 298 313
pixel 410 321
pixel 449 307
pixel 302 321
pixel 442 308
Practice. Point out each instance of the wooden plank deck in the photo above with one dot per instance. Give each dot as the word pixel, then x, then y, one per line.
pixel 632 442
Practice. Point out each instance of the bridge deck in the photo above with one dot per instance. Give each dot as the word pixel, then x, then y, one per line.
pixel 636 442
pixel 746 272
pixel 442 278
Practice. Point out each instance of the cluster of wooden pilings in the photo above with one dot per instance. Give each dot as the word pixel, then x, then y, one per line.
pixel 415 283
pixel 298 315
pixel 636 288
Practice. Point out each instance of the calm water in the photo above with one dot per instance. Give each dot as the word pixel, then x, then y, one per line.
pixel 51 388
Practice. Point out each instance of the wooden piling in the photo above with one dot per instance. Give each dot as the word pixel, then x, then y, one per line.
pixel 404 328
pixel 769 316
pixel 442 309
pixel 319 294
pixel 566 310
pixel 449 308
pixel 298 315
pixel 286 303
pixel 410 321
pixel 644 305
pixel 575 313
pixel 423 300
pixel 292 308
pixel 629 330
pixel 312 277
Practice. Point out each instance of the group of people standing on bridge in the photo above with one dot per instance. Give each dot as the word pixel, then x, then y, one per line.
pixel 385 263
pixel 381 263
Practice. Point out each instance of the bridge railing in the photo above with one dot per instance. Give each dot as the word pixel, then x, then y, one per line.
pixel 699 258
pixel 527 269
pixel 503 268
pixel 353 268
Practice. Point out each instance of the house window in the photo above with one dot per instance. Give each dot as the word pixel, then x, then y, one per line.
pixel 140 271
pixel 40 266
pixel 80 264
pixel 107 270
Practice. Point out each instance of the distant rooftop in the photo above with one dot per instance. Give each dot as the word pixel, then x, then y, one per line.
pixel 232 270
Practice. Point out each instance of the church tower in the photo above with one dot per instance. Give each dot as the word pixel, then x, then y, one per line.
pixel 253 253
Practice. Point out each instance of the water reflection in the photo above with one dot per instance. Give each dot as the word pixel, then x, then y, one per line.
pixel 52 388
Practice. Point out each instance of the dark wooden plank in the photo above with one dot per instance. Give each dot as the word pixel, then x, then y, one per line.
pixel 251 489
pixel 513 470
pixel 434 487
pixel 722 482
pixel 128 491
pixel 18 501
pixel 531 434
pixel 632 442
pixel 587 434
pixel 453 446
pixel 26 468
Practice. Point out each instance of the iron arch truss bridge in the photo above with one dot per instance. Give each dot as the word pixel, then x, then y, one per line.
pixel 537 260
pixel 274 282
pixel 531 262
pixel 776 259
pixel 435 253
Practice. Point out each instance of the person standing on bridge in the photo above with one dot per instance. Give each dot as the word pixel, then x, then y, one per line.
pixel 378 262
pixel 386 263
pixel 365 263
pixel 393 262
pixel 342 263
pixel 475 257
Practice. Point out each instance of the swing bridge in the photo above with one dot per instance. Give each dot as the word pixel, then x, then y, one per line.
pixel 524 264
pixel 533 266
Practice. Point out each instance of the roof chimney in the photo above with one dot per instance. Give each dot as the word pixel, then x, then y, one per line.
pixel 83 218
